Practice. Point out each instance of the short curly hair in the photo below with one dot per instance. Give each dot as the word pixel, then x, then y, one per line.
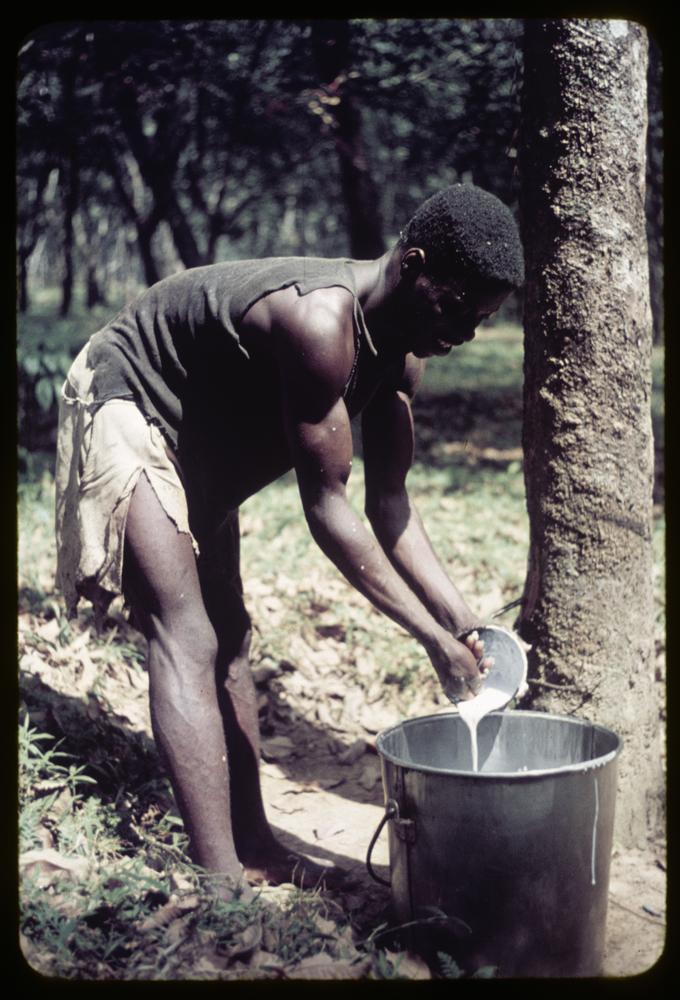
pixel 468 231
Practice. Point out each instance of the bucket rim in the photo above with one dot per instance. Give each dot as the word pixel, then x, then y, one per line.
pixel 580 767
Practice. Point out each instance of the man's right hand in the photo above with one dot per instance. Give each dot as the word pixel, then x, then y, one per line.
pixel 460 666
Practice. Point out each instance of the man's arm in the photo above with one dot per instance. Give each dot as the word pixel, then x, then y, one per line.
pixel 315 348
pixel 387 428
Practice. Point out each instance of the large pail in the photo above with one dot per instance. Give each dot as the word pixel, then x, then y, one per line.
pixel 508 866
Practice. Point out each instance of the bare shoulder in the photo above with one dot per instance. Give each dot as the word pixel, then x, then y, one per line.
pixel 327 311
pixel 314 332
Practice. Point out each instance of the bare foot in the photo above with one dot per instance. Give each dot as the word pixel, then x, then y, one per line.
pixel 278 864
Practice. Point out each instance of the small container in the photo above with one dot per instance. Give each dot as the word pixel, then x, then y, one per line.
pixel 507 678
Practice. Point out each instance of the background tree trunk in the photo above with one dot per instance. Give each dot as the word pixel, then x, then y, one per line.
pixel 71 194
pixel 331 41
pixel 588 445
pixel 158 172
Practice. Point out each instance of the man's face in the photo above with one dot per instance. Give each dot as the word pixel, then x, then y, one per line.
pixel 444 313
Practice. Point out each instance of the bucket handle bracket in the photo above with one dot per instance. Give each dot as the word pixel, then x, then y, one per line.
pixel 405 830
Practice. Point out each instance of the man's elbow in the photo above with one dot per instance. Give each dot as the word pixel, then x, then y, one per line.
pixel 387 511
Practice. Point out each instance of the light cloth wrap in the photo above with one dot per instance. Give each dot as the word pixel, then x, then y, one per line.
pixel 101 453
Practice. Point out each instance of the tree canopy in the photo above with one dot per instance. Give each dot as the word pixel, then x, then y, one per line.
pixel 174 143
pixel 147 146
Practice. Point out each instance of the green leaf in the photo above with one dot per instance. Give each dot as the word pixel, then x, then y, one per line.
pixel 31 365
pixel 44 393
pixel 486 972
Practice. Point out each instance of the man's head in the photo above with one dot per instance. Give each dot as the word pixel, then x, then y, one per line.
pixel 466 232
pixel 459 256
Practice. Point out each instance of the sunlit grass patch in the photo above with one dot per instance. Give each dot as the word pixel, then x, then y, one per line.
pixel 107 890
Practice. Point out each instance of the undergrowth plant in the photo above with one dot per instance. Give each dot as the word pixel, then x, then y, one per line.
pixel 92 790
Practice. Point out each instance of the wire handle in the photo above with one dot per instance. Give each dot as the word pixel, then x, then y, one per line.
pixel 391 810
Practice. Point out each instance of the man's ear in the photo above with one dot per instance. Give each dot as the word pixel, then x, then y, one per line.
pixel 413 262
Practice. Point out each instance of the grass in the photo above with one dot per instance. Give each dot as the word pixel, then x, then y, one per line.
pixel 125 902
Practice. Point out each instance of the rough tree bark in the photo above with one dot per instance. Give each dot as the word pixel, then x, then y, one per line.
pixel 588 446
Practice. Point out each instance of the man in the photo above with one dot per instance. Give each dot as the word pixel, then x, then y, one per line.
pixel 201 392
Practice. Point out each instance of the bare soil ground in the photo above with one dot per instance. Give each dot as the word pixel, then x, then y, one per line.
pixel 331 810
pixel 321 776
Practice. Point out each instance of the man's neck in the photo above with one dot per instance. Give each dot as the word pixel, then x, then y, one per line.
pixel 375 281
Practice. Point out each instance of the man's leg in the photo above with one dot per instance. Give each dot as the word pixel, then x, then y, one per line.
pixel 263 856
pixel 162 585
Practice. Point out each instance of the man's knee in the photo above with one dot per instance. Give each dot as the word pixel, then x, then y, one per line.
pixel 186 638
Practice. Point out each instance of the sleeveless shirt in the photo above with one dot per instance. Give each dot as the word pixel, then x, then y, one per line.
pixel 178 342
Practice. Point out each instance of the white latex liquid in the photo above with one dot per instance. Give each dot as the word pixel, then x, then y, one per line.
pixel 593 880
pixel 496 692
pixel 472 726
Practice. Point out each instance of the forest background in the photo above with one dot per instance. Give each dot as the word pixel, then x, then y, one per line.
pixel 144 147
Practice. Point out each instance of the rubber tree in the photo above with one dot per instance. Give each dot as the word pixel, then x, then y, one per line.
pixel 331 42
pixel 588 599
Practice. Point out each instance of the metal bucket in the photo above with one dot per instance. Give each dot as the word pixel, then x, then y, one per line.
pixel 508 866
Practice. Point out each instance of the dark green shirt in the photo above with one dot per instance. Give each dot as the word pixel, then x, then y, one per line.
pixel 175 350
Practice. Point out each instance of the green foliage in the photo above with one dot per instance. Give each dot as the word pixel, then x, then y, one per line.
pixel 41 771
pixel 209 125
pixel 95 931
pixel 41 376
pixel 451 970
pixel 94 785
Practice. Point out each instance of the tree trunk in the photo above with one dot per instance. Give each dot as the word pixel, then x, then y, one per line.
pixel 158 174
pixel 70 175
pixel 331 41
pixel 588 602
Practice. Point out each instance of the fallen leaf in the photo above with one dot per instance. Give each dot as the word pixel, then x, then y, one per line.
pixel 352 754
pixel 46 864
pixel 263 672
pixel 33 663
pixel 169 912
pixel 277 748
pixel 272 770
pixel 89 672
pixel 374 718
pixel 335 631
pixel 327 928
pixel 177 930
pixel 267 961
pixel 45 837
pixel 180 883
pixel 369 776
pixel 365 664
pixel 211 965
pixel 411 966
pixel 326 719
pixel 325 967
pixel 38 957
pixel 328 830
pixel 327 783
pixel 137 678
pixel 288 810
pixel 49 631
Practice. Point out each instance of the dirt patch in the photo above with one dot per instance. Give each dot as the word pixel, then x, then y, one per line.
pixel 320 771
pixel 336 823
